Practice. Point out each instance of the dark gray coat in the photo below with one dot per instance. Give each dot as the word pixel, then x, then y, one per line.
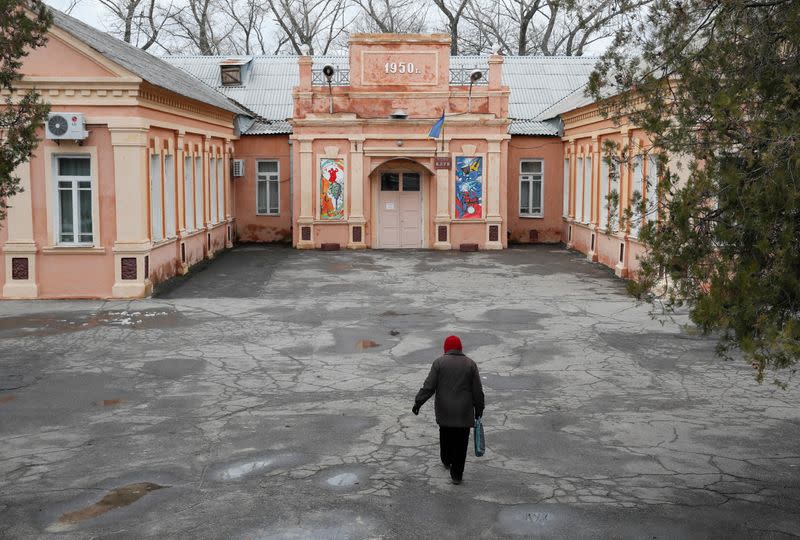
pixel 455 380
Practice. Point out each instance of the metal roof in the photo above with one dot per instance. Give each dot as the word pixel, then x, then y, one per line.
pixel 273 127
pixel 535 127
pixel 536 84
pixel 143 64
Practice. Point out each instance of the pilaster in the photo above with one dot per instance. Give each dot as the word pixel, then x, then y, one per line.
pixel 570 194
pixel 621 268
pixel 305 220
pixel 132 245
pixel 20 249
pixel 493 218
pixel 356 220
pixel 597 204
pixel 442 219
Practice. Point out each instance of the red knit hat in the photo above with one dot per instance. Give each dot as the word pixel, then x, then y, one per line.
pixel 452 343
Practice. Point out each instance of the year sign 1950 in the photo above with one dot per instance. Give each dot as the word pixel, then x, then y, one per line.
pixel 400 67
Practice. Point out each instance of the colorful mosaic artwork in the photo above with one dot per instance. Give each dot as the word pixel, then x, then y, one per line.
pixel 331 192
pixel 469 187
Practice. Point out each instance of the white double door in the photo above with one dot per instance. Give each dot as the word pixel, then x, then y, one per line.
pixel 400 210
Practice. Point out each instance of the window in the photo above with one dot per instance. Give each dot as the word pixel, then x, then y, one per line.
pixel 390 182
pixel 199 211
pixel 587 190
pixel 603 194
pixel 220 189
pixel 212 189
pixel 231 75
pixel 530 187
pixel 638 187
pixel 651 188
pixel 169 194
pixel 189 193
pixel 74 181
pixel 156 220
pixel 267 187
pixel 410 181
pixel 579 190
pixel 565 198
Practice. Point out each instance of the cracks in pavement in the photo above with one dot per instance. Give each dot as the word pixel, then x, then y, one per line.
pixel 596 404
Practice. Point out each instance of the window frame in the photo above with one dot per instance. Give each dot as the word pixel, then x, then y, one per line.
pixel 212 188
pixel 75 190
pixel 277 180
pixel 188 194
pixel 156 210
pixel 199 199
pixel 531 181
pixel 170 205
pixel 588 173
pixel 234 74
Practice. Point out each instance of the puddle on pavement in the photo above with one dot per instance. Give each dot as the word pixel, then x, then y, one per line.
pixel 343 477
pixel 339 267
pixel 53 324
pixel 516 317
pixel 240 469
pixel 362 344
pixel 539 382
pixel 6 399
pixel 116 498
pixel 174 368
pixel 235 472
pixel 109 402
pixel 353 340
pixel 525 519
pixel 339 524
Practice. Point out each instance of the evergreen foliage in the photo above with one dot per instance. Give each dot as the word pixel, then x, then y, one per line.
pixel 23 26
pixel 716 84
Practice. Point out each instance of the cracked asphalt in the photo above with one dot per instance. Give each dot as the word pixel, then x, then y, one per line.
pixel 269 396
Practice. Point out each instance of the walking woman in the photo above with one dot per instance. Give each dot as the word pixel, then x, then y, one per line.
pixel 455 380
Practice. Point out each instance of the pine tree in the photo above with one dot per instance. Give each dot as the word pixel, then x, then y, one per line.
pixel 716 84
pixel 23 26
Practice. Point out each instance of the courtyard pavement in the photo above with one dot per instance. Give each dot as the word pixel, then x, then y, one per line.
pixel 269 395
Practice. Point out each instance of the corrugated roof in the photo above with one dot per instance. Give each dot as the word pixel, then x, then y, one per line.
pixel 535 127
pixel 275 127
pixel 536 83
pixel 268 85
pixel 143 64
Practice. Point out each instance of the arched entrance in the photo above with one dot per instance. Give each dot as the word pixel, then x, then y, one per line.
pixel 400 195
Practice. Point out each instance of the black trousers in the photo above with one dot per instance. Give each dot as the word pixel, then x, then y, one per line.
pixel 453 443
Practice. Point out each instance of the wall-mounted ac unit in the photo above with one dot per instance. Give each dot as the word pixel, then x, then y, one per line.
pixel 238 168
pixel 69 126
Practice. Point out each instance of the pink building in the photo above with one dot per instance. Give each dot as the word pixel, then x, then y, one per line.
pixel 148 166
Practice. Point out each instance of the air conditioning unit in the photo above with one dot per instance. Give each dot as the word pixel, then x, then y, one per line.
pixel 69 126
pixel 238 168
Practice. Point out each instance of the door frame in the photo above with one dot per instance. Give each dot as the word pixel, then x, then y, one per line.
pixel 400 166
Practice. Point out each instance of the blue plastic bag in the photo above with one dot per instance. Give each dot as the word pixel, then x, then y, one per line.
pixel 480 440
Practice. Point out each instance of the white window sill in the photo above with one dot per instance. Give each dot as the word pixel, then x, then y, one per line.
pixel 267 215
pixel 531 216
pixel 73 250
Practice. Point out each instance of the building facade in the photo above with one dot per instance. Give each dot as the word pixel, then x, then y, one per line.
pixel 183 156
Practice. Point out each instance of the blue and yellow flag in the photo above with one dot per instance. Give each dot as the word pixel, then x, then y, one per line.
pixel 437 128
